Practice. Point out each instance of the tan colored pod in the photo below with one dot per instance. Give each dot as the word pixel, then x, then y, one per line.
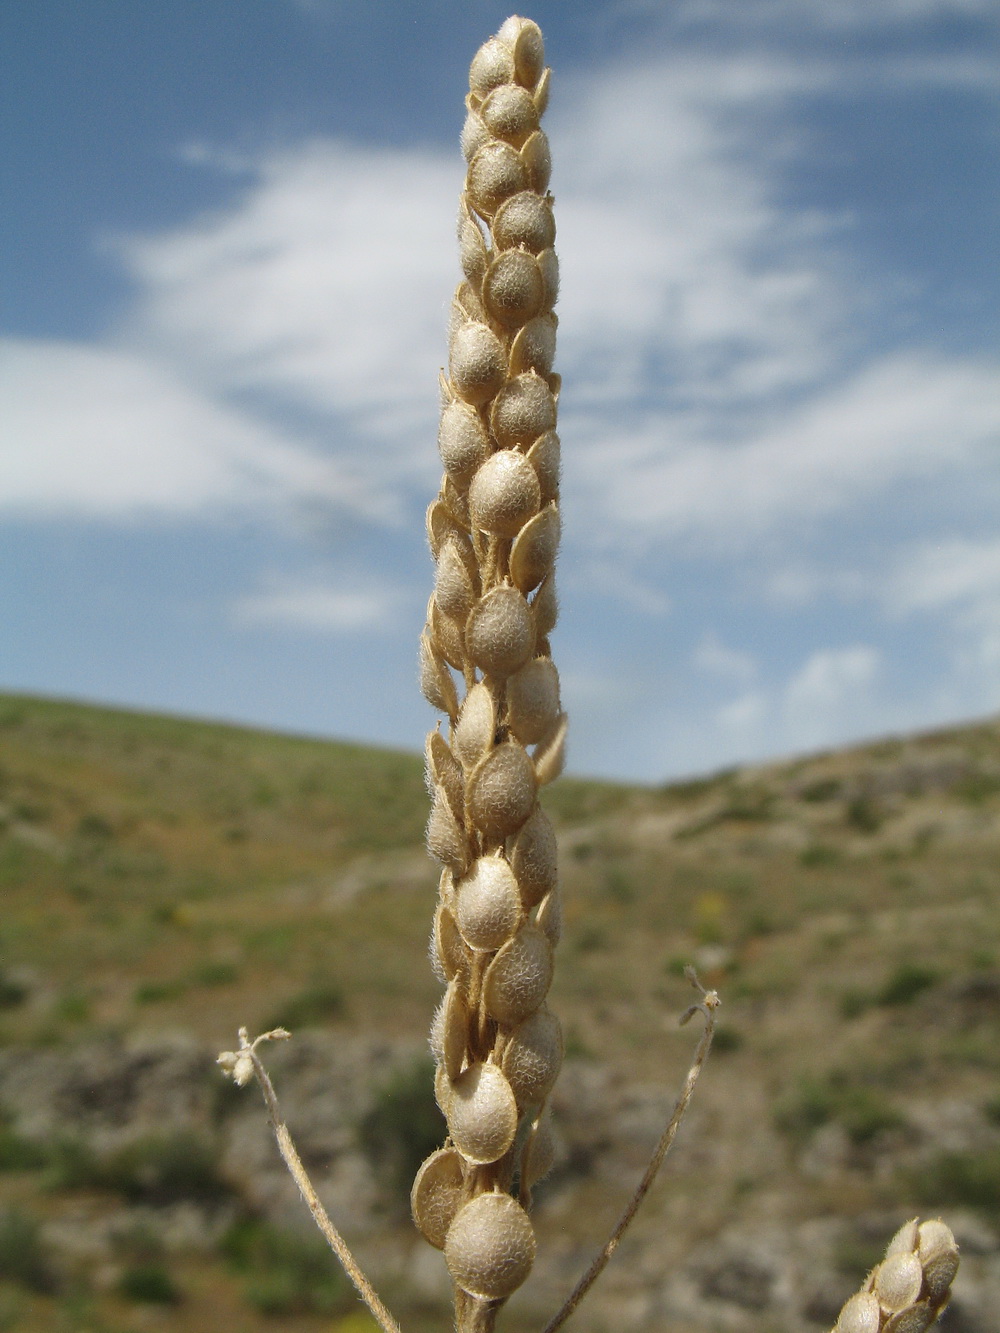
pixel 534 551
pixel 476 726
pixel 905 1240
pixel 487 903
pixel 541 93
pixel 534 346
pixel 442 1090
pixel 509 113
pixel 504 493
pixel 914 1319
pixel 446 635
pixel 472 249
pixel 498 171
pixel 447 951
pixel 539 1154
pixel 454 1030
pixel 898 1280
pixel 482 1113
pixel 549 265
pixel 550 755
pixel 474 135
pixel 436 681
pixel 533 858
pixel 490 1247
pixel 545 607
pixel 492 65
pixel 463 442
pixel 457 501
pixel 861 1314
pixel 444 770
pixel 445 840
pixel 437 1195
pixel 501 792
pixel 453 589
pixel 533 1056
pixel 533 700
pixel 513 288
pixel 933 1236
pixel 526 220
pixel 477 364
pixel 519 977
pixel 468 306
pixel 548 918
pixel 544 457
pixel 499 634
pixel 939 1273
pixel 537 161
pixel 523 409
pixel 528 48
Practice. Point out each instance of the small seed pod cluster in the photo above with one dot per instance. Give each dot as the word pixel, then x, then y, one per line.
pixel 486 665
pixel 910 1287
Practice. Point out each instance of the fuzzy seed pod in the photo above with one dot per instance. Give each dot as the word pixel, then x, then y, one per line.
pixel 501 792
pixel 474 135
pixel 445 840
pixel 442 1089
pixel 440 526
pixel 472 251
pixel 453 590
pixel 545 607
pixel 446 635
pixel 487 904
pixel 532 1058
pixel 525 41
pixel 939 1273
pixel 550 755
pixel 443 770
pixel 446 944
pixel 897 1282
pixel 492 65
pixel 454 1030
pixel 534 551
pixel 462 440
pixel 544 457
pixel 534 346
pixel 533 700
pixel 519 977
pixel 509 113
pixel 860 1315
pixel 437 1195
pixel 498 171
pixel 523 409
pixel 499 633
pixel 548 918
pixel 526 220
pixel 549 265
pixel 504 493
pixel 490 1247
pixel 476 726
pixel 436 683
pixel 537 161
pixel 539 1154
pixel 533 858
pixel 513 289
pixel 914 1319
pixel 477 364
pixel 540 96
pixel 482 1113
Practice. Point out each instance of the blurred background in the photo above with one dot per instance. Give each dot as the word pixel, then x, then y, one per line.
pixel 230 249
pixel 229 254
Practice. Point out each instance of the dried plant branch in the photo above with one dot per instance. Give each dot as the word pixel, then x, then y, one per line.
pixel 244 1064
pixel 707 1006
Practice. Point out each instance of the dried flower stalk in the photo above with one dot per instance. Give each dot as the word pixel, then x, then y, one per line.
pixel 494 531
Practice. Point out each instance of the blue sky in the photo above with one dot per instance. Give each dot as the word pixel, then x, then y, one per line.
pixel 229 255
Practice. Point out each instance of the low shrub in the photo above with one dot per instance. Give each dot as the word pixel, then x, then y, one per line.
pixel 288 1272
pixel 904 985
pixel 960 1180
pixel 24 1259
pixel 862 1112
pixel 149 1284
pixel 403 1125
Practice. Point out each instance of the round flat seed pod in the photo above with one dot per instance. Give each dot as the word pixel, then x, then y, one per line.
pixel 905 1240
pixel 533 858
pixel 501 792
pixel 523 409
pixel 526 220
pixel 490 1247
pixel 513 288
pixel 436 681
pixel 482 1113
pixel 442 1090
pixel 533 1056
pixel 445 840
pixel 519 977
pixel 444 770
pixel 550 756
pixel 533 700
pixel 477 364
pixel 492 65
pixel 529 50
pixel 463 442
pixel 537 161
pixel 446 945
pixel 476 726
pixel 509 113
pixel 545 607
pixel 939 1273
pixel 504 493
pixel 541 93
pixel 487 903
pixel 548 918
pixel 457 502
pixel 474 135
pixel 499 633
pixel 534 551
pixel 534 347
pixel 498 171
pixel 472 249
pixel 861 1314
pixel 539 1154
pixel 914 1319
pixel 453 590
pixel 544 457
pixel 454 1030
pixel 469 305
pixel 447 636
pixel 898 1280
pixel 933 1236
pixel 441 525
pixel 437 1195
pixel 549 265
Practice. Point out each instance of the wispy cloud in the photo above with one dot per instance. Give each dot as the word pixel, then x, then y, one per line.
pixel 318 607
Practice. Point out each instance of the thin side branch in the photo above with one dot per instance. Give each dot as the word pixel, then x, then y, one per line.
pixel 244 1064
pixel 708 1005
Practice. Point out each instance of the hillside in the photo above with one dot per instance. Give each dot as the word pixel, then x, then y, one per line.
pixel 165 881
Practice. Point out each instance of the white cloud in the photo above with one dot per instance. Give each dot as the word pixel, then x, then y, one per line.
pixel 946 574
pixel 718 659
pixel 317 607
pixel 829 679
